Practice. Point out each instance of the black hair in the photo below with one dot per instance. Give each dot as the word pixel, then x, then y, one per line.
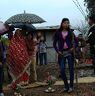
pixel 30 33
pixel 63 20
pixel 92 17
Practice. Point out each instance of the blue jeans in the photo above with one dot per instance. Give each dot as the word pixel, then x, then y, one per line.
pixel 43 58
pixel 62 63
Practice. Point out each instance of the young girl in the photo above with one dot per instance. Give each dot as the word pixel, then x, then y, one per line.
pixel 63 44
pixel 43 51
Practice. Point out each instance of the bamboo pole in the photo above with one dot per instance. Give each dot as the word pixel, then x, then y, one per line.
pixel 75 64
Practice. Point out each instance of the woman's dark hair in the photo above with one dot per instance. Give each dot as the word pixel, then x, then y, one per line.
pixel 61 28
pixel 30 33
pixel 92 17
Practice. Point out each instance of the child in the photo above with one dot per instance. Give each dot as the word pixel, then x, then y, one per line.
pixel 43 51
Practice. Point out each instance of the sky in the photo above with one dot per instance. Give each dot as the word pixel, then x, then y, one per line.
pixel 52 11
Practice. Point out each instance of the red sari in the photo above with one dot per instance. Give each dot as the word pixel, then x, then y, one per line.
pixel 18 59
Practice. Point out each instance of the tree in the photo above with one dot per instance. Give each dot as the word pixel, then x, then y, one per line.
pixel 90 4
pixel 82 27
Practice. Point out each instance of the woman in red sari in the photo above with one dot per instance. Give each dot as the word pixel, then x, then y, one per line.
pixel 18 59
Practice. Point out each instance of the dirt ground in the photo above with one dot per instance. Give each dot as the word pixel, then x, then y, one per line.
pixel 83 90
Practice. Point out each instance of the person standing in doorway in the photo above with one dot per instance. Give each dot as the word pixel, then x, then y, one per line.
pixel 63 44
pixel 43 51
